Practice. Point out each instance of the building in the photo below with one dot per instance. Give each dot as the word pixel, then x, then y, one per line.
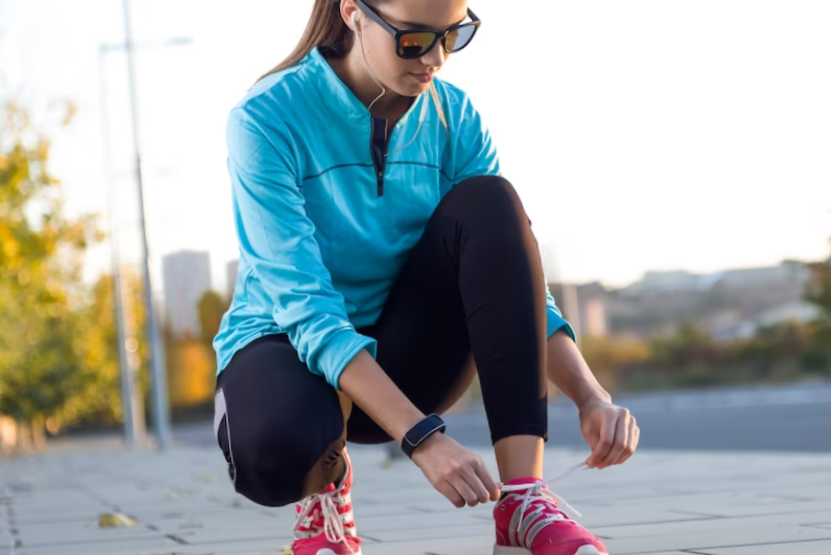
pixel 186 276
pixel 729 305
pixel 585 306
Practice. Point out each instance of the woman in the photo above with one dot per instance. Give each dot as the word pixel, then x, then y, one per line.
pixel 384 260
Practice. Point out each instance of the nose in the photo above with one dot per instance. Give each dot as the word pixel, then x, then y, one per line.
pixel 436 57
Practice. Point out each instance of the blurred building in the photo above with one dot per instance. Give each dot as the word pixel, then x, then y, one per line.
pixel 728 305
pixel 585 306
pixel 186 276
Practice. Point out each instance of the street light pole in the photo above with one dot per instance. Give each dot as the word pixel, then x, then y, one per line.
pixel 161 409
pixel 132 406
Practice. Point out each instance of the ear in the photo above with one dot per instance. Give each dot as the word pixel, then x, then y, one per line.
pixel 350 13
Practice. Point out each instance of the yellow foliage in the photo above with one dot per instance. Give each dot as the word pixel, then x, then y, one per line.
pixel 191 375
pixel 607 355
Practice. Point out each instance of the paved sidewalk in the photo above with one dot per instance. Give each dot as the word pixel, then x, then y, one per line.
pixel 659 503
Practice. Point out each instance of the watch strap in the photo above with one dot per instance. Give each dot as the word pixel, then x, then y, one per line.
pixel 428 426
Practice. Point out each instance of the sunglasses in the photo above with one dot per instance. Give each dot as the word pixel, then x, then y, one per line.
pixel 415 43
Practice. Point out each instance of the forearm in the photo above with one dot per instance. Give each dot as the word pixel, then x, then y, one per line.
pixel 369 387
pixel 568 370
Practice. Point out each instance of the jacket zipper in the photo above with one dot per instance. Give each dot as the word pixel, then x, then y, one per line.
pixel 378 145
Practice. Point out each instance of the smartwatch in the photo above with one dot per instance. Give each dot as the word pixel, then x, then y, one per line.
pixel 421 431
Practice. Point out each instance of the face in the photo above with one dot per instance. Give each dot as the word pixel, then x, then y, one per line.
pixel 407 77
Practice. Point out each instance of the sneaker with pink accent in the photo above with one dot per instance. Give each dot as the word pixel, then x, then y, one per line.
pixel 530 522
pixel 325 524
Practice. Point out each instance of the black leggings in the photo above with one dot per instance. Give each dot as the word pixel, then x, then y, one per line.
pixel 473 284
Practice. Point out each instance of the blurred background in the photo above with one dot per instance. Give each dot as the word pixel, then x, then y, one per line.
pixel 674 157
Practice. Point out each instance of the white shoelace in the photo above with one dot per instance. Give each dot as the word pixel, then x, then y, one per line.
pixel 332 519
pixel 535 492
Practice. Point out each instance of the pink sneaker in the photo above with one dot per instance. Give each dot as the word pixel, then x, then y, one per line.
pixel 529 522
pixel 325 524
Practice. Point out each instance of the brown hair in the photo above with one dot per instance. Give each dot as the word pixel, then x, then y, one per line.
pixel 326 29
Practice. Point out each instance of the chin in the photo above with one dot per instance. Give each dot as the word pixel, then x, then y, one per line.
pixel 413 89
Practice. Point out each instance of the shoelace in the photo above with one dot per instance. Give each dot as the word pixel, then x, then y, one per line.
pixel 535 492
pixel 332 523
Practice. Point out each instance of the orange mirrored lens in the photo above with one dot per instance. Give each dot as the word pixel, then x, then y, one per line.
pixel 413 45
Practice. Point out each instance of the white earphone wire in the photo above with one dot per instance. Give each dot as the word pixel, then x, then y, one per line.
pixel 383 89
pixel 421 117
pixel 366 64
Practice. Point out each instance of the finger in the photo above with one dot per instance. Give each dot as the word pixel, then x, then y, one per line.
pixel 634 438
pixel 621 440
pixel 606 437
pixel 488 482
pixel 464 490
pixel 452 495
pixel 471 477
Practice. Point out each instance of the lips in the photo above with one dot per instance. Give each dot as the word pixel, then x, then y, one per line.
pixel 423 77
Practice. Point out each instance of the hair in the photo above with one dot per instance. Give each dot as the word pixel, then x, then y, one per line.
pixel 327 29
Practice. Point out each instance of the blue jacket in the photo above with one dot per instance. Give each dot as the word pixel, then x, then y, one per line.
pixel 324 220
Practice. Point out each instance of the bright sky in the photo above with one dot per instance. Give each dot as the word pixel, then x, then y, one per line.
pixel 641 135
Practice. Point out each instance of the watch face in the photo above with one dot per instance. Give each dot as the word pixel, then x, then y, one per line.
pixel 421 431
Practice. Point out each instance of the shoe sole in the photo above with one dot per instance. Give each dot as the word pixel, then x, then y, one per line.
pixel 328 551
pixel 506 550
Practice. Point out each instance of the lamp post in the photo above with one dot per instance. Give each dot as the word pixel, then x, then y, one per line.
pixel 159 397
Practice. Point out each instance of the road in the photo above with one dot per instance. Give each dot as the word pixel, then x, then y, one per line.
pixel 805 427
pixel 768 418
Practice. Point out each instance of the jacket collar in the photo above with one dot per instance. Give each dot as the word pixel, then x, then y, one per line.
pixel 335 94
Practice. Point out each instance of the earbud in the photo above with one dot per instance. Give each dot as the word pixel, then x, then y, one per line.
pixel 355 21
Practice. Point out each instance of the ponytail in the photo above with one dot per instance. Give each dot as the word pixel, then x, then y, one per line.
pixel 326 29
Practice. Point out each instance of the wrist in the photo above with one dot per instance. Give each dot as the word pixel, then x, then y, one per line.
pixel 430 426
pixel 591 395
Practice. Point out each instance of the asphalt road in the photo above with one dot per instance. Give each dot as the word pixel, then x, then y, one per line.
pixel 800 427
pixel 768 418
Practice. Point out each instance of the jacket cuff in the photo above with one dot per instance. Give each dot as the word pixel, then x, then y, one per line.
pixel 556 322
pixel 340 351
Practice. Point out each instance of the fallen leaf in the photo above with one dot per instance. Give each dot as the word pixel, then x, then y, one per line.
pixel 115 520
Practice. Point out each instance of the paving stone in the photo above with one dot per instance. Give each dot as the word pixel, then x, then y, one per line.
pixel 660 503
pixel 821 547
pixel 124 547
pixel 706 539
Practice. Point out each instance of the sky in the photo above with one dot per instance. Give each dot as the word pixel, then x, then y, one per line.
pixel 641 135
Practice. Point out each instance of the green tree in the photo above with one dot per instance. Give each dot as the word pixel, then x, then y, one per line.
pixel 40 285
pixel 819 290
pixel 97 378
pixel 818 357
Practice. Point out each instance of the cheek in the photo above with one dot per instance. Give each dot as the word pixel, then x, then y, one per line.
pixel 387 64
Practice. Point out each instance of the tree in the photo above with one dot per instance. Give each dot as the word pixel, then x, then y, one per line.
pixel 40 285
pixel 819 293
pixel 819 290
pixel 97 375
pixel 212 306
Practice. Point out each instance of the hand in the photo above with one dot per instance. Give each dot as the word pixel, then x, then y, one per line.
pixel 611 431
pixel 455 472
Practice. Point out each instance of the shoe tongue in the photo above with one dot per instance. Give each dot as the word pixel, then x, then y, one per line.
pixel 328 489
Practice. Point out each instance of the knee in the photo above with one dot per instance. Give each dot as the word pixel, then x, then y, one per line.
pixel 275 466
pixel 490 197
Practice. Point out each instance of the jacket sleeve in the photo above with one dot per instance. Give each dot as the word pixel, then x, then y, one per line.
pixel 555 319
pixel 475 154
pixel 474 150
pixel 277 238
